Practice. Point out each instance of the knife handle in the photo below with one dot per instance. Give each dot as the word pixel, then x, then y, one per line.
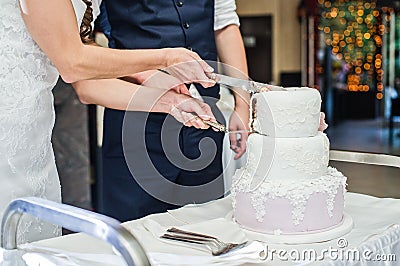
pixel 218 126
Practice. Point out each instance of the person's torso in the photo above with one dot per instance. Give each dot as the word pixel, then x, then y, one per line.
pixel 145 24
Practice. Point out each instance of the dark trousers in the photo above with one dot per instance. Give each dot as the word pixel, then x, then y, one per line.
pixel 160 165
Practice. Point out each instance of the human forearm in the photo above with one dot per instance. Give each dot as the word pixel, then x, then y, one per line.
pixel 234 58
pixel 53 26
pixel 121 95
pixel 90 62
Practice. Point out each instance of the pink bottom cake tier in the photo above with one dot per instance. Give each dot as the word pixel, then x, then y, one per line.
pixel 303 207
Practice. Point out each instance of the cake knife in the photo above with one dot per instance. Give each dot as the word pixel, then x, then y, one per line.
pixel 221 128
pixel 247 85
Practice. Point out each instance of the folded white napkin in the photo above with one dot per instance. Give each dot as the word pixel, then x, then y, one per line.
pixel 223 229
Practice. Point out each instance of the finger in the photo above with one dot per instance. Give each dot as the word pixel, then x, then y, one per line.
pixel 198 123
pixel 207 83
pixel 198 76
pixel 188 118
pixel 203 110
pixel 206 67
pixel 233 142
pixel 208 112
pixel 193 121
pixel 241 146
pixel 322 124
pixel 183 89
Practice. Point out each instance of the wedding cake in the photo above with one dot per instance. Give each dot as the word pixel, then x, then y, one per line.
pixel 286 186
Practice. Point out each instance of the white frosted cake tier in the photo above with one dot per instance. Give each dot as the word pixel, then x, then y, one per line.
pixel 291 113
pixel 290 207
pixel 287 158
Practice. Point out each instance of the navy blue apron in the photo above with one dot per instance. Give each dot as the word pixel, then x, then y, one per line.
pixel 140 148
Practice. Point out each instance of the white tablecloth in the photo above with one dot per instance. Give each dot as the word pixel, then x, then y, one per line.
pixel 375 236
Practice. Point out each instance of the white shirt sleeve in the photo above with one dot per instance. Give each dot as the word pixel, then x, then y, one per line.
pixel 225 14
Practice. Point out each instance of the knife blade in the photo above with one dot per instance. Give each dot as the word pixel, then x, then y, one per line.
pixel 247 85
pixel 221 128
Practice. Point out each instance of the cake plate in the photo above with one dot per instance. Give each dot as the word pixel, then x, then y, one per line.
pixel 303 238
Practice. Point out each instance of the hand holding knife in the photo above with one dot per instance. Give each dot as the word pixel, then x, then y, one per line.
pixel 247 85
pixel 221 128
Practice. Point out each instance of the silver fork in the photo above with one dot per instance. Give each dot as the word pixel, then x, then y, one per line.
pixel 216 246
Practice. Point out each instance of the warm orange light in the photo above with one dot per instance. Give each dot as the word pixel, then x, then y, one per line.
pixel 334 12
pixel 379 95
pixel 328 4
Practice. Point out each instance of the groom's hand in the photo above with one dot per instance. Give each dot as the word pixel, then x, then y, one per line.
pixel 239 121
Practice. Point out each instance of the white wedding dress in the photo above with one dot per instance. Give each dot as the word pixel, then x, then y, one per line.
pixel 27 165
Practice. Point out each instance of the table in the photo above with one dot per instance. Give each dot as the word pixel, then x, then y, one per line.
pixel 375 236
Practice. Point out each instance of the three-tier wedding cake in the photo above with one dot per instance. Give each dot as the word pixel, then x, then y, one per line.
pixel 286 186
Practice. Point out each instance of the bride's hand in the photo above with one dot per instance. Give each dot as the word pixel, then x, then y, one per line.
pixel 188 67
pixel 322 124
pixel 189 111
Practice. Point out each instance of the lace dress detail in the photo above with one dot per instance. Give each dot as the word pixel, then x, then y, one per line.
pixel 27 165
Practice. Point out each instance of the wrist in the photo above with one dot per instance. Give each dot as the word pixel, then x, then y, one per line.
pixel 241 105
pixel 165 57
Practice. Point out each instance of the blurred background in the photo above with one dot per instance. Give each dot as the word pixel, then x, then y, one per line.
pixel 348 50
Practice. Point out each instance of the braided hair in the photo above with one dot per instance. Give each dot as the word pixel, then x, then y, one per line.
pixel 86 30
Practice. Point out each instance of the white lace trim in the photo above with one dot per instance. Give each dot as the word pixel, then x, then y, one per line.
pixel 297 192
